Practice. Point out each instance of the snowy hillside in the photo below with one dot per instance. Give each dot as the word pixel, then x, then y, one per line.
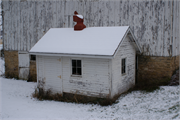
pixel 16 103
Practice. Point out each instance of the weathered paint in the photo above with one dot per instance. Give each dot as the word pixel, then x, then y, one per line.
pixel 23 73
pixel 23 59
pixel 49 69
pixel 93 82
pixel 155 24
pixel 121 83
pixel 100 77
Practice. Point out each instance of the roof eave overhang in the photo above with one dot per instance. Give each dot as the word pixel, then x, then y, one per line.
pixel 72 55
pixel 133 39
pixel 121 42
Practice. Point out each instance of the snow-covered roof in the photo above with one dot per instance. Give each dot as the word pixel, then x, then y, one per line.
pixel 101 41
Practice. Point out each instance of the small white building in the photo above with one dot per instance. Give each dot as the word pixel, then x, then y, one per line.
pixel 97 61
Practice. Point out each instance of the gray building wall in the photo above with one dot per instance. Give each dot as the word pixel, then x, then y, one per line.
pixel 155 23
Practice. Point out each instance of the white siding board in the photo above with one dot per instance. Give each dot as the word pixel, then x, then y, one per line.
pixel 5 23
pixel 121 83
pixel 54 14
pixel 105 13
pixel 94 80
pixel 27 28
pixel 17 26
pixel 12 38
pixel 26 22
pixel 90 13
pixel 66 11
pixel 24 14
pixel 176 27
pixel 23 60
pixel 116 13
pixel 31 24
pixel 52 69
pixel 10 28
pixel 23 73
pixel 111 13
pixel 41 20
pixel 21 28
pixel 95 13
pixel 81 6
pixel 167 33
pixel 86 13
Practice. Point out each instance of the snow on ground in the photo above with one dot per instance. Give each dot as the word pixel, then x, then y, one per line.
pixel 16 103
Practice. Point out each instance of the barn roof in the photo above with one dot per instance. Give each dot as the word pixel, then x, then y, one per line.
pixel 96 41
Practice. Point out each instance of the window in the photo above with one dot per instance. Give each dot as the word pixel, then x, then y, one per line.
pixel 76 67
pixel 123 66
pixel 33 57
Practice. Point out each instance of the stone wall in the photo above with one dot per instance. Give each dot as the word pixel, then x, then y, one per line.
pixel 11 64
pixel 150 69
pixel 156 69
pixel 32 71
pixel 175 63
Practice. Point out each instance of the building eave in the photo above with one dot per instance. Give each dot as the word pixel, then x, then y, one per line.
pixel 72 55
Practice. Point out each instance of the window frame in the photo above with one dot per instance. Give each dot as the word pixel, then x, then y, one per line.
pixel 74 75
pixel 123 72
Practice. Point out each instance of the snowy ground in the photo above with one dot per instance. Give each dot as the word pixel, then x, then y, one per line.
pixel 16 103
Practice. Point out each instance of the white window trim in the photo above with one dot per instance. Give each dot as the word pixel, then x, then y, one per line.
pixel 122 74
pixel 81 67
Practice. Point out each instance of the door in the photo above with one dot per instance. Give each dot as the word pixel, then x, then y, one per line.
pixel 53 73
pixel 23 58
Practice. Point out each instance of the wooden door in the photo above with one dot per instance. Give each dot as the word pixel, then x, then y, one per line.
pixel 53 73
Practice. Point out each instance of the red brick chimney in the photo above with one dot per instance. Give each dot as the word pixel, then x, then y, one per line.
pixel 79 19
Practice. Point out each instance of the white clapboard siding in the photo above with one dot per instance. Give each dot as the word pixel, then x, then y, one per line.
pixel 53 73
pixel 121 83
pixel 94 80
pixel 155 24
pixel 50 70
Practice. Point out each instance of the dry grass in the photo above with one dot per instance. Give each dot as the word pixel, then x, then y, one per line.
pixel 42 94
